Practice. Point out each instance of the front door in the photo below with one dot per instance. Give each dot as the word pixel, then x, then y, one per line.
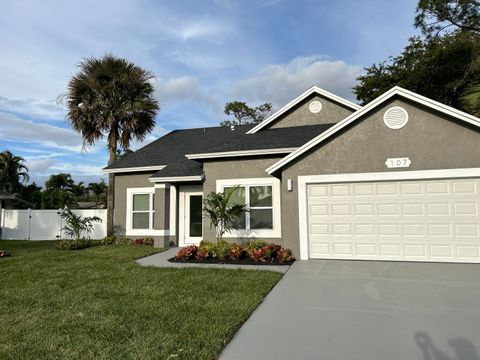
pixel 191 213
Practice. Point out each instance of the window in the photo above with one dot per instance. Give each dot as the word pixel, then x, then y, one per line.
pixel 140 212
pixel 143 211
pixel 262 197
pixel 259 203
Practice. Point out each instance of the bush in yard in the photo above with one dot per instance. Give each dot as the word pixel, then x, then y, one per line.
pixel 254 245
pixel 223 249
pixel 76 224
pixel 209 248
pixel 72 244
pixel 4 253
pixel 148 241
pixel 186 252
pixel 139 241
pixel 236 252
pixel 284 255
pixel 109 240
pixel 258 255
pixel 123 240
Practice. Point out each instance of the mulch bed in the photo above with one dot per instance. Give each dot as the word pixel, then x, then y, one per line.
pixel 244 261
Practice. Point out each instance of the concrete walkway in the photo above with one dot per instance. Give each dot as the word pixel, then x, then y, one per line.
pixel 364 310
pixel 161 260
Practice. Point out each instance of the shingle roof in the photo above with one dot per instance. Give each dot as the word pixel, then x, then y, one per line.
pixel 170 150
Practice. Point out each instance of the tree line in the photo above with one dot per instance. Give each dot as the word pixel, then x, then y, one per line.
pixel 60 190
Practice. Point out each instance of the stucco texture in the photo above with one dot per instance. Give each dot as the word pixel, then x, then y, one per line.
pixel 125 181
pixel 430 139
pixel 300 114
pixel 238 168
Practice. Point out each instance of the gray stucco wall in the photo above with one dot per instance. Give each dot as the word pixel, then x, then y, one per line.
pixel 430 140
pixel 238 168
pixel 331 112
pixel 124 181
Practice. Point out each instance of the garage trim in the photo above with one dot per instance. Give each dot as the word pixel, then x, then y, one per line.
pixel 303 181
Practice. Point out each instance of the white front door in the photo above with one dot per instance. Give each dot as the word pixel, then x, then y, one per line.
pixel 191 227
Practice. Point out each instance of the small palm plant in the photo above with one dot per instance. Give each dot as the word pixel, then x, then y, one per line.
pixel 222 212
pixel 75 224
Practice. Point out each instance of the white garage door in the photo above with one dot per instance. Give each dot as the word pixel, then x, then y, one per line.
pixel 427 220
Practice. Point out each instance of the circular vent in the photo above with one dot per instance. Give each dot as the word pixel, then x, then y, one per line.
pixel 315 106
pixel 395 118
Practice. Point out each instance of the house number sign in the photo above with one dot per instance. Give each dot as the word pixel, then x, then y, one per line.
pixel 398 162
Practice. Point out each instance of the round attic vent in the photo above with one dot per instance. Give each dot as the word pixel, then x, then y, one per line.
pixel 395 118
pixel 315 106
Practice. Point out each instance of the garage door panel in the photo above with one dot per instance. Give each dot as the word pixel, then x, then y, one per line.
pixel 429 220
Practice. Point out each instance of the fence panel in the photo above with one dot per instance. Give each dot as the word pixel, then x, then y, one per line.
pixel 44 224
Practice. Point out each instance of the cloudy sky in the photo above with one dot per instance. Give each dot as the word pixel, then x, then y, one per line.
pixel 203 54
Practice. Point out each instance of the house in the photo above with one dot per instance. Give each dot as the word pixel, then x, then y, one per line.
pixel 396 179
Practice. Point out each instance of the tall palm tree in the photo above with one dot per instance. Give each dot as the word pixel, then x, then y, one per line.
pixel 12 172
pixel 113 98
pixel 99 191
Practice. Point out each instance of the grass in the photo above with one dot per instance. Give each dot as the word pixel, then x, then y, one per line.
pixel 98 303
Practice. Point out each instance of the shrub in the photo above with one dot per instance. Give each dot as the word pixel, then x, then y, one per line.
pixel 208 247
pixel 236 252
pixel 258 255
pixel 4 253
pixel 223 249
pixel 76 224
pixel 186 252
pixel 148 241
pixel 270 251
pixel 123 240
pixel 284 255
pixel 72 244
pixel 139 241
pixel 254 245
pixel 109 240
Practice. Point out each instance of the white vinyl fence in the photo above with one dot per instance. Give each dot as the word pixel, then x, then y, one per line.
pixel 45 224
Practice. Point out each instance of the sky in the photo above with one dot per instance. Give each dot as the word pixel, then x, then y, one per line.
pixel 202 53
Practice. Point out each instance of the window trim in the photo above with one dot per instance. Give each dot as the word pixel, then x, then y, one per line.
pixel 130 231
pixel 276 231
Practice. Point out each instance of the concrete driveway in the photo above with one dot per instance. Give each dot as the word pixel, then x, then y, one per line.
pixel 355 310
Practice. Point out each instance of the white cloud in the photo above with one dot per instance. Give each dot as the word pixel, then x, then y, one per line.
pixel 281 83
pixel 14 128
pixel 184 88
pixel 49 109
pixel 206 29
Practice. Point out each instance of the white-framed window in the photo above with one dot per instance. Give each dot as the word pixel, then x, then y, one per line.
pixel 140 215
pixel 262 197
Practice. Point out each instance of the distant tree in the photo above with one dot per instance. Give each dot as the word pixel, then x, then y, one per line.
pixel 440 68
pixel 436 17
pixel 78 190
pixel 60 182
pixel 13 172
pixel 32 194
pixel 113 98
pixel 99 190
pixel 244 114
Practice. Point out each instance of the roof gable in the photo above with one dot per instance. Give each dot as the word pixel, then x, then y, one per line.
pixel 298 100
pixel 416 98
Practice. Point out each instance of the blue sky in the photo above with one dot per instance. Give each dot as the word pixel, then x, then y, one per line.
pixel 203 54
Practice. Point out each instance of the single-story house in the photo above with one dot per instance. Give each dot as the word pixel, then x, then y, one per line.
pixel 396 179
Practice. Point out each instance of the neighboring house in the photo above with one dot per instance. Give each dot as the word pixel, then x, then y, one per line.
pixel 397 179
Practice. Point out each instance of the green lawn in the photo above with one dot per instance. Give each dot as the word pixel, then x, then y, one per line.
pixel 98 303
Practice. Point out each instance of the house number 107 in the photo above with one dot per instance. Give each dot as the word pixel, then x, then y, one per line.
pixel 398 162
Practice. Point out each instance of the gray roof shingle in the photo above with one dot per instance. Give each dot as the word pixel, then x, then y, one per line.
pixel 170 150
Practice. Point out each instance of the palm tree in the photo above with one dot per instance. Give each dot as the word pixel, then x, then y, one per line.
pixel 222 211
pixel 12 172
pixel 78 190
pixel 60 182
pixel 99 190
pixel 113 98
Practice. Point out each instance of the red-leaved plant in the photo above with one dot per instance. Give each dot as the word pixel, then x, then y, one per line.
pixel 284 255
pixel 139 241
pixel 186 252
pixel 236 252
pixel 4 253
pixel 258 255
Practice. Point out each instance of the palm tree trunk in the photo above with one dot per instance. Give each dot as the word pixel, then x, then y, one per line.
pixel 111 193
